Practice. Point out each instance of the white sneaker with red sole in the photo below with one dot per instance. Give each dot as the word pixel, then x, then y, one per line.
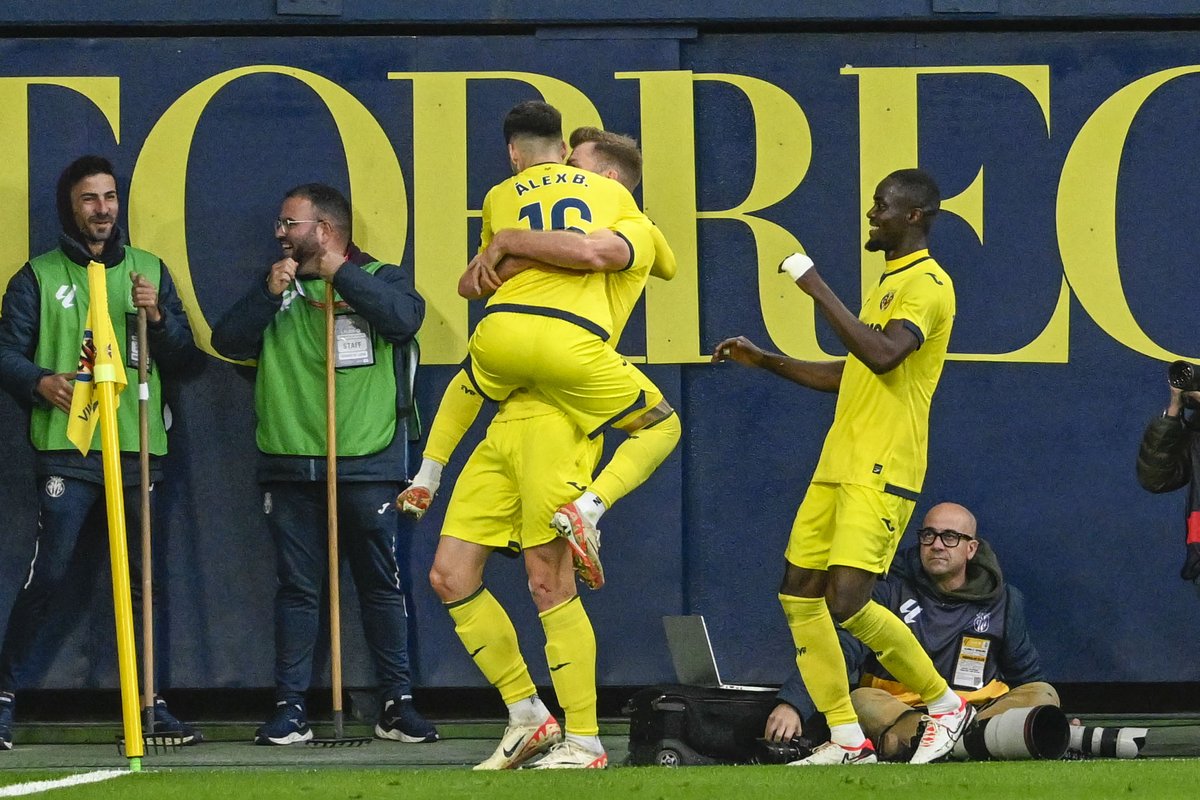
pixel 521 743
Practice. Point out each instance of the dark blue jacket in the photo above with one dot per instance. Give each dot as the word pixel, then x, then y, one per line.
pixel 171 348
pixel 984 608
pixel 389 301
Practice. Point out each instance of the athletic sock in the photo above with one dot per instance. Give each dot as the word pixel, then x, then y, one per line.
pixel 636 459
pixel 590 743
pixel 901 654
pixel 429 475
pixel 849 736
pixel 571 655
pixel 948 703
pixel 819 657
pixel 529 711
pixel 591 507
pixel 460 405
pixel 490 639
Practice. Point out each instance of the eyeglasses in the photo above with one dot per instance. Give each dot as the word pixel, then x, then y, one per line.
pixel 949 538
pixel 286 224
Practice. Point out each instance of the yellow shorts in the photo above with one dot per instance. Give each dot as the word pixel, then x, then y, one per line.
pixel 571 366
pixel 848 525
pixel 517 478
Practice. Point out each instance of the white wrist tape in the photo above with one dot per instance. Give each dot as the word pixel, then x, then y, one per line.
pixel 796 265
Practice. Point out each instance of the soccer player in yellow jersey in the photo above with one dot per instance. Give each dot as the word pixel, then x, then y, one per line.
pixel 533 456
pixel 548 329
pixel 870 471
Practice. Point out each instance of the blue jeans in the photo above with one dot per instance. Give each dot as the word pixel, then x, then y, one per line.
pixel 367 526
pixel 71 515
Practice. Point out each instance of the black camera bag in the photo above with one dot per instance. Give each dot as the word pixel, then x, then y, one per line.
pixel 673 725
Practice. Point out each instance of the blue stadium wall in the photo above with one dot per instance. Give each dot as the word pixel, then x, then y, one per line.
pixel 1067 151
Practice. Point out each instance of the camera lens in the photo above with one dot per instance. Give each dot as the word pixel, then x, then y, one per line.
pixel 1182 375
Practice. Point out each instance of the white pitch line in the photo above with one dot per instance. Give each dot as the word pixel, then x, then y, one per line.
pixel 36 787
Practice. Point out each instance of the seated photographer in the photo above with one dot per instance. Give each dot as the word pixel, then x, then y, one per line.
pixel 949 589
pixel 1168 459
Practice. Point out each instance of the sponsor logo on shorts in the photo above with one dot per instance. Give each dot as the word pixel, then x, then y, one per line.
pixel 55 486
pixel 267 505
pixel 888 524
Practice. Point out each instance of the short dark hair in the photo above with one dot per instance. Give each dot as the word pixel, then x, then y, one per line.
pixel 77 170
pixel 614 151
pixel 534 119
pixel 331 204
pixel 921 190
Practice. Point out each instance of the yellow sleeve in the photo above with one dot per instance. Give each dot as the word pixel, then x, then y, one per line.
pixel 664 265
pixel 925 301
pixel 637 234
pixel 486 234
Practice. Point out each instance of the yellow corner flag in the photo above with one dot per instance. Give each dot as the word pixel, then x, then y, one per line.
pixel 99 361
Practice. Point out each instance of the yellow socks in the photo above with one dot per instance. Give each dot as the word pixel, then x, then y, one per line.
pixel 819 657
pixel 458 409
pixel 571 655
pixel 490 639
pixel 897 650
pixel 636 459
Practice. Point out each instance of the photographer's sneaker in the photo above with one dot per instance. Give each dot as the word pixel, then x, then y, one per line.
pixel 833 754
pixel 414 501
pixel 171 730
pixel 521 743
pixel 942 732
pixel 584 540
pixel 7 707
pixel 288 726
pixel 571 755
pixel 401 722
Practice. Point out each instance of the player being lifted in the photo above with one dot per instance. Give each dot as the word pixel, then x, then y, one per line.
pixel 870 471
pixel 527 466
pixel 549 330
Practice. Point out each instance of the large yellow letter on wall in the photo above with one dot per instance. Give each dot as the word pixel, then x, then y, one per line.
pixel 888 117
pixel 783 152
pixel 158 189
pixel 440 204
pixel 1087 213
pixel 14 142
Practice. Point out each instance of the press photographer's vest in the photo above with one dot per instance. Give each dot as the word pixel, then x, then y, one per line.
pixel 290 390
pixel 64 301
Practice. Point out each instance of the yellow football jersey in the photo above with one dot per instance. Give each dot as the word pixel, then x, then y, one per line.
pixel 880 432
pixel 557 197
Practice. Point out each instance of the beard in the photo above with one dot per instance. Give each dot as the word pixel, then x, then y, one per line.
pixel 97 230
pixel 873 245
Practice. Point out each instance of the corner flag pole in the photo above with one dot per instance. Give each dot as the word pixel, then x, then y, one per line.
pixel 107 362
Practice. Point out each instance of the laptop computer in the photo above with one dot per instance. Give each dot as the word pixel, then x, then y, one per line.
pixel 692 653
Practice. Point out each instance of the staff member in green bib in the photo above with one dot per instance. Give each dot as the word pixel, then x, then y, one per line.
pixel 281 322
pixel 41 330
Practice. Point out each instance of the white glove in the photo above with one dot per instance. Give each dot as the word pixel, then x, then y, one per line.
pixel 796 265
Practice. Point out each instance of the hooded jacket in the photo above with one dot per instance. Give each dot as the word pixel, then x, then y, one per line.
pixel 1169 459
pixel 976 635
pixel 171 347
